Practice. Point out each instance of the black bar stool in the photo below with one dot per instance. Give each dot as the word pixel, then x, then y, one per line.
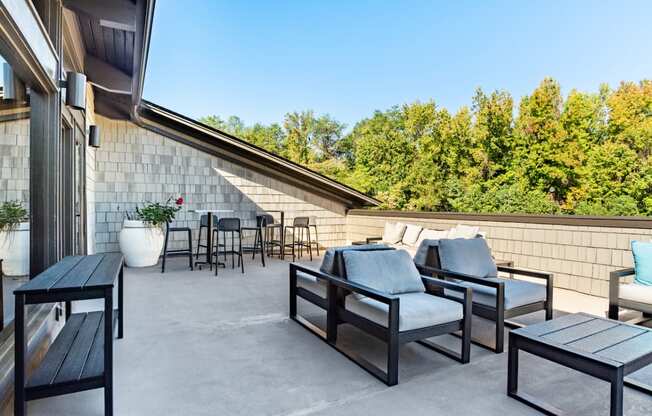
pixel 300 225
pixel 225 226
pixel 313 225
pixel 259 243
pixel 203 224
pixel 271 227
pixel 188 250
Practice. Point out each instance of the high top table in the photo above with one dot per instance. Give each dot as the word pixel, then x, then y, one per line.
pixel 603 348
pixel 209 234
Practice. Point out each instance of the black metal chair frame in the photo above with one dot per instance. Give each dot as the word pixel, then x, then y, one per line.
pixel 201 227
pixel 259 243
pixel 167 252
pixel 615 302
pixel 217 230
pixel 498 314
pixel 337 314
pixel 299 243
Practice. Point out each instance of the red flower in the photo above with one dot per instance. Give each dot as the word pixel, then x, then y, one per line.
pixel 179 201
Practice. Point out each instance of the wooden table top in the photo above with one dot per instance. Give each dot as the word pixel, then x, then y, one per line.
pixel 605 340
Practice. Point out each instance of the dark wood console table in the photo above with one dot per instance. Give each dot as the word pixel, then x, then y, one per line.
pixel 79 358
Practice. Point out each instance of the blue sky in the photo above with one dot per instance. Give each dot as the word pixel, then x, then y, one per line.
pixel 262 59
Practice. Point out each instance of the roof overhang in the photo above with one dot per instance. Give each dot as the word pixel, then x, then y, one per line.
pixel 212 141
pixel 115 35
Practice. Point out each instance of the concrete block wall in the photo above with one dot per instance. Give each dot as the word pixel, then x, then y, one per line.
pixel 580 257
pixel 134 165
pixel 14 161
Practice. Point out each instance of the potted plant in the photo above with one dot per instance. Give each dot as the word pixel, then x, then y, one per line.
pixel 141 237
pixel 14 239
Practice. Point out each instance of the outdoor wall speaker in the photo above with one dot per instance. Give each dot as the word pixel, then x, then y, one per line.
pixel 94 136
pixel 76 90
pixel 13 87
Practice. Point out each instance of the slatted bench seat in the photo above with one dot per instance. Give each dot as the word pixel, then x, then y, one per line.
pixel 79 358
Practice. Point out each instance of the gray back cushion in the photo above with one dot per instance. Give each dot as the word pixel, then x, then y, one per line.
pixel 333 263
pixel 468 256
pixel 390 272
pixel 427 254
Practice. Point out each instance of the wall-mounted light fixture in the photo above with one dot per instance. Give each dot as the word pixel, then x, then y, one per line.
pixel 75 85
pixel 94 136
pixel 13 87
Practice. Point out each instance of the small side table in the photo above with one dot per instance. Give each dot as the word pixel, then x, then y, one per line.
pixel 603 348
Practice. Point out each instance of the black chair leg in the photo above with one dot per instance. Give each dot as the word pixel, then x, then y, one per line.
pixel 190 250
pixel 262 247
pixel 309 244
pixel 198 243
pixel 217 252
pixel 165 250
pixel 240 259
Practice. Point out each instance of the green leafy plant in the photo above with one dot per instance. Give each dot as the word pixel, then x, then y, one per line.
pixel 157 214
pixel 12 213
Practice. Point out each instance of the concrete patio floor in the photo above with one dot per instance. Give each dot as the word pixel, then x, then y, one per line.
pixel 196 344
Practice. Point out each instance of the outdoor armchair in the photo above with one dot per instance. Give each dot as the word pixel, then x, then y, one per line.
pixel 397 306
pixel 632 296
pixel 469 263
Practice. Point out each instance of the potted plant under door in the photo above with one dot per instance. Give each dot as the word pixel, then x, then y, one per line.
pixel 14 239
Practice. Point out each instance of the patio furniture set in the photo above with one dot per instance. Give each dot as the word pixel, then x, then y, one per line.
pixel 224 236
pixel 400 295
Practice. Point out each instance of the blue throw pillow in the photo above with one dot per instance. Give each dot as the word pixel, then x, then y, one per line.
pixel 467 256
pixel 642 252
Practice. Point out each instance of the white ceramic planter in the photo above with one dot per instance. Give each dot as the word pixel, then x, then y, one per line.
pixel 140 244
pixel 14 250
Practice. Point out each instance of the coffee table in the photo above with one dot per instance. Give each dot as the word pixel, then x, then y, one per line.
pixel 603 348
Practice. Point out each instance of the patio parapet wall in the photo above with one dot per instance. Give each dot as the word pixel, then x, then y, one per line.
pixel 135 165
pixel 580 251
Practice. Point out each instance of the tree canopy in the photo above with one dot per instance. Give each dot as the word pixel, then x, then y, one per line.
pixel 586 153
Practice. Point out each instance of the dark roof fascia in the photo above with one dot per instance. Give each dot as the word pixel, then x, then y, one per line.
pixel 259 158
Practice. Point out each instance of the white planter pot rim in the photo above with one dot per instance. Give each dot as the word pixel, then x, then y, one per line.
pixel 136 224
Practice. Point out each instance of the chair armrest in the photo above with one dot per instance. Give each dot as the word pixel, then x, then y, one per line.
pixel 372 239
pixel 460 276
pixel 528 273
pixel 345 284
pixel 308 270
pixel 443 284
pixel 614 283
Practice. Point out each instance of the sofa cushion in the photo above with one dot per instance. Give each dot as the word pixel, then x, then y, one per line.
pixel 393 232
pixel 468 256
pixel 411 235
pixel 312 283
pixel 517 292
pixel 636 293
pixel 391 271
pixel 428 234
pixel 463 231
pixel 428 254
pixel 642 251
pixel 332 263
pixel 416 310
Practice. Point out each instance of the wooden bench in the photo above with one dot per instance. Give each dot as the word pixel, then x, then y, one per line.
pixel 79 358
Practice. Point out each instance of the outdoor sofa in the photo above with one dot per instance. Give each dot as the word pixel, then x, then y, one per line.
pixel 384 294
pixel 409 237
pixel 469 263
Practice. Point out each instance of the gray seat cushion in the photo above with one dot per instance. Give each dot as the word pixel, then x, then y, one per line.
pixel 416 310
pixel 468 256
pixel 517 292
pixel 636 293
pixel 390 271
pixel 332 263
pixel 312 284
